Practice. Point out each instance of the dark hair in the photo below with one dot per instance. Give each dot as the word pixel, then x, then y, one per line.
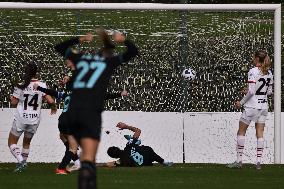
pixel 30 72
pixel 114 152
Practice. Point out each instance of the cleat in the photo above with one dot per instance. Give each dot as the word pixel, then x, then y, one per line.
pixel 236 165
pixel 70 168
pixel 258 166
pixel 61 172
pixel 20 167
pixel 168 163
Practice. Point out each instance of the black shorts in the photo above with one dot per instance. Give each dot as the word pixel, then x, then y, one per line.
pixel 150 156
pixel 85 123
pixel 63 124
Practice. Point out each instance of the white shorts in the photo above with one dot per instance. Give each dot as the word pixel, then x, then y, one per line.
pixel 18 128
pixel 255 115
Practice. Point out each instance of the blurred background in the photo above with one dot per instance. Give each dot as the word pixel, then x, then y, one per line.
pixel 217 45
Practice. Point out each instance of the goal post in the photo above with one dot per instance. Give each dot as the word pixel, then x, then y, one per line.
pixel 278 132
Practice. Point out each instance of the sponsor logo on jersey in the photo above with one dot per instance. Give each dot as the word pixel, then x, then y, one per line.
pixel 30 115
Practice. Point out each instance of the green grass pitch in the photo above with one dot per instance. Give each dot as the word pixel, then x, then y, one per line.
pixel 180 176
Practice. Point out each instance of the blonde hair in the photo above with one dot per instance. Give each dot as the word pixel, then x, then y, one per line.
pixel 263 60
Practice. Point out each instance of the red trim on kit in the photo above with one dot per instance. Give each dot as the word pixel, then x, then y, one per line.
pixel 251 82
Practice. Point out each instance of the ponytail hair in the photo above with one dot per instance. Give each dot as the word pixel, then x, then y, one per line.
pixel 107 45
pixel 30 72
pixel 264 61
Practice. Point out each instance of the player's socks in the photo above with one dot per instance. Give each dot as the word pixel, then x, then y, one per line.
pixel 168 163
pixel 66 160
pixel 25 153
pixel 260 146
pixel 75 157
pixel 66 144
pixel 240 147
pixel 77 163
pixel 15 150
pixel 87 178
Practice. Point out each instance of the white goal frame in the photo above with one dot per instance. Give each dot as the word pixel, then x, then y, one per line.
pixel 278 132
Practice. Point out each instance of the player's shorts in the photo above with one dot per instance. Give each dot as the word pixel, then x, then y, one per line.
pixel 150 156
pixel 18 128
pixel 85 123
pixel 63 124
pixel 255 115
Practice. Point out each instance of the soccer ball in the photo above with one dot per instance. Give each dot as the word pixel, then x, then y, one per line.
pixel 189 74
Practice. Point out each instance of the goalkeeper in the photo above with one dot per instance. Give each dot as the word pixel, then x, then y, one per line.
pixel 134 154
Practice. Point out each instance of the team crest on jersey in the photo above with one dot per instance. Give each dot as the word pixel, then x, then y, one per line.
pixel 74 51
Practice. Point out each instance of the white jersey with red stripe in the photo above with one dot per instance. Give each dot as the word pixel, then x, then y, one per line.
pixel 29 105
pixel 261 85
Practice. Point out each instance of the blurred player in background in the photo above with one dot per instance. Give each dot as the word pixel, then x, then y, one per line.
pixel 91 78
pixel 27 115
pixel 134 154
pixel 260 80
pixel 65 134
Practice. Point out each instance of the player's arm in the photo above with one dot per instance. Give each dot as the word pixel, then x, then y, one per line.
pixel 51 92
pixel 244 90
pixel 64 47
pixel 65 50
pixel 52 104
pixel 108 164
pixel 14 101
pixel 116 95
pixel 250 93
pixel 14 98
pixel 131 49
pixel 136 131
pixel 270 89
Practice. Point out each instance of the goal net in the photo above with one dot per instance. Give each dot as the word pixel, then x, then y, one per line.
pixel 218 45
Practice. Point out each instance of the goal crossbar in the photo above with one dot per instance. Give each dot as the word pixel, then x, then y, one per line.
pixel 140 6
pixel 278 132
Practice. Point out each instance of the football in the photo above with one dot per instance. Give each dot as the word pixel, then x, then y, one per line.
pixel 189 74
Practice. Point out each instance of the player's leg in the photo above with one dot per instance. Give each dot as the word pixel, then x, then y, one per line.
pixel 87 172
pixel 14 148
pixel 260 143
pixel 243 125
pixel 155 157
pixel 63 129
pixel 71 154
pixel 64 139
pixel 26 145
pixel 90 131
pixel 13 139
pixel 25 151
pixel 74 148
pixel 241 139
pixel 259 127
pixel 28 136
pixel 61 169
